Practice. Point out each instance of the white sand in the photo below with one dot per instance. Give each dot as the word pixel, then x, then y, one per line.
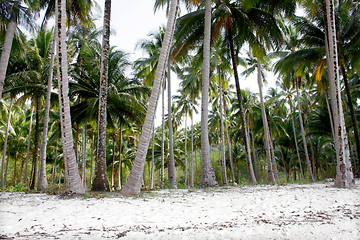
pixel 308 211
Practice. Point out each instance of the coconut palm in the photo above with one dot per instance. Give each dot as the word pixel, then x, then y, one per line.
pixel 133 184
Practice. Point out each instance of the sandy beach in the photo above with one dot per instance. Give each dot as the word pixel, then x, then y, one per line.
pixel 293 211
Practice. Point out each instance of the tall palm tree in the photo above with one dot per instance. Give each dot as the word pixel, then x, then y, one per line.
pixel 100 181
pixel 133 184
pixel 73 182
pixel 344 174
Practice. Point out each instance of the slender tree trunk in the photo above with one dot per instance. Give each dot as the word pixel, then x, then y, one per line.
pixel 151 184
pixel 3 175
pixel 92 159
pixel 231 160
pixel 28 147
pixel 54 165
pixel 6 49
pixel 185 154
pixel 7 168
pixel 73 183
pixel 133 184
pixel 311 177
pixel 344 174
pixel 120 160
pixel 36 145
pixel 353 118
pixel 14 177
pixel 162 134
pixel 254 157
pixel 171 170
pixel 241 106
pixel 271 177
pixel 42 183
pixel 100 181
pixel 207 172
pixel 295 139
pixel 192 151
pixel 223 162
pixel 83 167
pixel 273 160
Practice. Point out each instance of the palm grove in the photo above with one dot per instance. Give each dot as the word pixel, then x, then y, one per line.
pixel 73 116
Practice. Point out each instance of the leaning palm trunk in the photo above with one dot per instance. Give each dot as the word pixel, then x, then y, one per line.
pixel 120 160
pixel 185 154
pixel 311 177
pixel 207 173
pixel 100 181
pixel 73 183
pixel 344 174
pixel 271 177
pixel 241 106
pixel 36 146
pixel 54 165
pixel 133 184
pixel 42 182
pixel 6 49
pixel 171 170
pixel 223 162
pixel 28 147
pixel 2 183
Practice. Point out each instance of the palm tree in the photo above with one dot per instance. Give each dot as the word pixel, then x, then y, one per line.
pixel 100 181
pixel 133 184
pixel 73 182
pixel 344 174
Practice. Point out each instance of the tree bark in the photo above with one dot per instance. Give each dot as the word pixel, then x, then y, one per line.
pixel 162 134
pixel 120 160
pixel 36 145
pixel 73 183
pixel 344 174
pixel 207 172
pixel 83 167
pixel 192 151
pixel 101 182
pixel 185 155
pixel 2 183
pixel 223 162
pixel 42 183
pixel 151 184
pixel 28 146
pixel 54 165
pixel 133 184
pixel 6 49
pixel 271 177
pixel 171 169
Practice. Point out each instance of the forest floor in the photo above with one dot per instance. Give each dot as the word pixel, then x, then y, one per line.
pixel 292 211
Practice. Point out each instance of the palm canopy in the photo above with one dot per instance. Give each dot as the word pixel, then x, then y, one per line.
pixel 125 97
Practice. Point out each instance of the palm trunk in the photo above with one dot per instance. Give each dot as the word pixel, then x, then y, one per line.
pixel 344 174
pixel 311 177
pixel 254 156
pixel 185 154
pixel 207 172
pixel 120 160
pixel 223 162
pixel 54 165
pixel 171 170
pixel 100 181
pixel 113 163
pixel 5 53
pixel 330 115
pixel 231 160
pixel 28 147
pixel 36 146
pixel 133 184
pixel 271 177
pixel 162 134
pixel 2 183
pixel 192 151
pixel 42 183
pixel 151 185
pixel 353 118
pixel 83 167
pixel 92 159
pixel 295 139
pixel 73 183
pixel 273 160
pixel 241 106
